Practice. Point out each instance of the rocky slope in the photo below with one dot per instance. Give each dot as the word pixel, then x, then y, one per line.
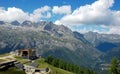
pixel 103 42
pixel 49 39
pixel 115 52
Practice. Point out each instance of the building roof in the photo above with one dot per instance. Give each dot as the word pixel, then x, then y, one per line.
pixel 19 65
pixel 34 64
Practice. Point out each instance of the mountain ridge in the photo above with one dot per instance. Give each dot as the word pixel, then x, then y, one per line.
pixel 49 39
pixel 103 42
pixel 58 41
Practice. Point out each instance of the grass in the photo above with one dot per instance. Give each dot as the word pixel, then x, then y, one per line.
pixel 53 69
pixel 20 59
pixel 2 60
pixel 12 70
pixel 2 55
pixel 41 62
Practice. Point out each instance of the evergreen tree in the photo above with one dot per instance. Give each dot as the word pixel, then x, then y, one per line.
pixel 67 66
pixel 114 66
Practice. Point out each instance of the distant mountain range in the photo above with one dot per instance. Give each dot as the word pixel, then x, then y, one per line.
pixel 103 42
pixel 115 52
pixel 109 44
pixel 56 40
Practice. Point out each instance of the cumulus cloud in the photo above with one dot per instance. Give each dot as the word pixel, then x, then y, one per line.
pixel 40 13
pixel 87 28
pixel 114 30
pixel 13 13
pixel 98 13
pixel 66 9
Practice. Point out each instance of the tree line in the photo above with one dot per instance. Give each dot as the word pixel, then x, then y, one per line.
pixel 67 66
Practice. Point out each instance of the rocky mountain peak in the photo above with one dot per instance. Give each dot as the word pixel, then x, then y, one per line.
pixel 16 23
pixel 27 23
pixel 2 22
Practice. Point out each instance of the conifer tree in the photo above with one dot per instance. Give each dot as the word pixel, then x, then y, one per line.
pixel 114 66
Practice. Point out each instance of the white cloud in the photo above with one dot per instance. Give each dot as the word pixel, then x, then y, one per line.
pixel 13 13
pixel 98 13
pixel 85 30
pixel 114 30
pixel 104 29
pixel 66 9
pixel 40 13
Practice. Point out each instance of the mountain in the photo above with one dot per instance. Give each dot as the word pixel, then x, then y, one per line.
pixel 2 22
pixel 49 39
pixel 103 42
pixel 27 23
pixel 16 23
pixel 80 37
pixel 115 52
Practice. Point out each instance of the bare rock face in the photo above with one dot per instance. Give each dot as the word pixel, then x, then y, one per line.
pixel 103 42
pixel 49 39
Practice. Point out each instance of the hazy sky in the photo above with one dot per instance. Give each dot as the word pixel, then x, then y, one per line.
pixel 101 16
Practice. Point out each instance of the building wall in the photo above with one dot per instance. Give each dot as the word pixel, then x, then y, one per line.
pixel 29 51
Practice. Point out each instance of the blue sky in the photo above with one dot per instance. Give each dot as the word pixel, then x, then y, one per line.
pixel 30 5
pixel 100 16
